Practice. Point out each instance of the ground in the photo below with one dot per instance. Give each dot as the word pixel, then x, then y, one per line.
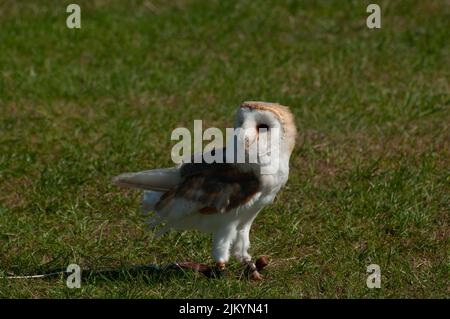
pixel 369 180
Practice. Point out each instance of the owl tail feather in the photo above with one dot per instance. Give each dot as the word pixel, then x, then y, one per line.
pixel 159 180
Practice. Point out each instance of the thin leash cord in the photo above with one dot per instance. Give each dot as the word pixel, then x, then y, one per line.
pixel 46 275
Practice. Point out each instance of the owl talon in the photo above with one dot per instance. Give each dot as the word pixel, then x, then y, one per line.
pixel 219 269
pixel 256 276
pixel 253 272
pixel 220 265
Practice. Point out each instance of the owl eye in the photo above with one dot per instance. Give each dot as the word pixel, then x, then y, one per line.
pixel 263 127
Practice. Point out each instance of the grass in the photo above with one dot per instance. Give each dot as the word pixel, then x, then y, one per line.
pixel 369 178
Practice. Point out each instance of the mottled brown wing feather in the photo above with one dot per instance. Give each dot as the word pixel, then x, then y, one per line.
pixel 219 187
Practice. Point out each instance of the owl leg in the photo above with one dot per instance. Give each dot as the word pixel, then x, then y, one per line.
pixel 240 251
pixel 241 245
pixel 222 240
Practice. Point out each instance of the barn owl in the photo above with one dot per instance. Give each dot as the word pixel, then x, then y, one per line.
pixel 222 198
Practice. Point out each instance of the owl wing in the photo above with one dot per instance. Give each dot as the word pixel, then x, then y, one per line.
pixel 203 188
pixel 214 188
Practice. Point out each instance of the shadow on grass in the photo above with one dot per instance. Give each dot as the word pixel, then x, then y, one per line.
pixel 148 272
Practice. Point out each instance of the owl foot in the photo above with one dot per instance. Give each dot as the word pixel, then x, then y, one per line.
pixel 256 276
pixel 218 270
pixel 220 265
pixel 253 269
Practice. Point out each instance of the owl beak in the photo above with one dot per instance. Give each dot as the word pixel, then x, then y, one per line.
pixel 249 139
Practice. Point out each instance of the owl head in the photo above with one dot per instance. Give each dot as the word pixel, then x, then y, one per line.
pixel 268 126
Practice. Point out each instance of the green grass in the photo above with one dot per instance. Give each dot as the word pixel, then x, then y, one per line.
pixel 369 178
